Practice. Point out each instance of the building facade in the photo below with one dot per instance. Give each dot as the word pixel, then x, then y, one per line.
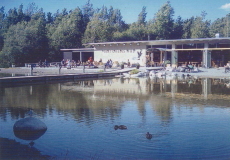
pixel 207 52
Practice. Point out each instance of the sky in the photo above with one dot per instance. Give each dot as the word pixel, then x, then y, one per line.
pixel 131 8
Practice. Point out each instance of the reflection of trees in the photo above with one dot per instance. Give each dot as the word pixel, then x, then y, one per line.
pixel 162 106
pixel 17 100
pixel 84 106
pixel 141 107
pixel 85 103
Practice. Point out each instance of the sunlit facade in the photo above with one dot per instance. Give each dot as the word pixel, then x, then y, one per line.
pixel 206 52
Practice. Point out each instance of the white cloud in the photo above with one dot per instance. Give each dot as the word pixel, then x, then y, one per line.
pixel 225 6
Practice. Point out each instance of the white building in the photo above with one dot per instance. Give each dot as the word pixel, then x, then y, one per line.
pixel 206 52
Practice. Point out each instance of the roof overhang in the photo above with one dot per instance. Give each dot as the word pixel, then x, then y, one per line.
pixel 78 50
pixel 166 42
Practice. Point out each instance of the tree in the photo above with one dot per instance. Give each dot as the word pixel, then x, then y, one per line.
pixel 2 26
pixel 200 27
pixel 88 12
pixel 187 28
pixel 221 26
pixel 13 45
pixel 115 20
pixel 178 29
pixel 66 34
pixel 98 30
pixel 103 25
pixel 142 17
pixel 50 18
pixel 26 41
pixel 163 22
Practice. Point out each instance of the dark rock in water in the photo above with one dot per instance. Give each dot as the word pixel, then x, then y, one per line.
pixel 29 128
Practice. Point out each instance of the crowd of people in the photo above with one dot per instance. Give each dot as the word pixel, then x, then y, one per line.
pixel 67 63
pixel 70 63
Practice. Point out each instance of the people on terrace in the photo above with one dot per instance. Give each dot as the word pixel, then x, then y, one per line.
pixel 90 61
pixel 227 67
pixel 128 63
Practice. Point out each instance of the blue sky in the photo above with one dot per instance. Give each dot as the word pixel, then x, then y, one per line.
pixel 131 8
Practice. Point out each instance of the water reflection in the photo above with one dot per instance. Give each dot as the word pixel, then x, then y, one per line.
pixel 81 97
pixel 81 117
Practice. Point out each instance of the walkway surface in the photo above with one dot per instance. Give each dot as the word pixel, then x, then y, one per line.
pixel 204 72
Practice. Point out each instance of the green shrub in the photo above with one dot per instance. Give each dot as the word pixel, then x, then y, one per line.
pixel 134 71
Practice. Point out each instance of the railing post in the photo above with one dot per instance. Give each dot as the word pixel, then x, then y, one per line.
pixel 83 67
pixel 59 68
pixel 31 69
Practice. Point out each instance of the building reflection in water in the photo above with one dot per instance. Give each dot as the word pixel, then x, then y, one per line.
pixel 104 98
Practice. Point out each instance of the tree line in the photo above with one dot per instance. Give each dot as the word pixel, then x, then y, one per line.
pixel 29 35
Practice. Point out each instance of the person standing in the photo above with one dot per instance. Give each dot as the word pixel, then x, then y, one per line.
pixel 128 63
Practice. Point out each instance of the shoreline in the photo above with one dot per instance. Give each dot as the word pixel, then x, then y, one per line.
pixel 204 72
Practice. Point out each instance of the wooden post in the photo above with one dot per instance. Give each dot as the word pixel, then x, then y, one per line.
pixel 31 69
pixel 83 67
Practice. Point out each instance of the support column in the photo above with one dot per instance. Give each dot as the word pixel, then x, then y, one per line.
pixel 151 56
pixel 206 56
pixel 81 56
pixel 161 57
pixel 165 55
pixel 174 57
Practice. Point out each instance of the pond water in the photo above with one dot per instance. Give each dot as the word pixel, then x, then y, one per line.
pixel 188 119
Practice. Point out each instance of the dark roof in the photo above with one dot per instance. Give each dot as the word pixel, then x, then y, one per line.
pixel 79 49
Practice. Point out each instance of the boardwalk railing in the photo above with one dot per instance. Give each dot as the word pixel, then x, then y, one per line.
pixel 50 64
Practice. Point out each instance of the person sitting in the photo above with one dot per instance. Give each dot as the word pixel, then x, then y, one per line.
pixel 189 67
pixel 128 63
pixel 227 67
pixel 40 63
pixel 107 64
pixel 110 63
pixel 63 63
pixel 90 61
pixel 79 63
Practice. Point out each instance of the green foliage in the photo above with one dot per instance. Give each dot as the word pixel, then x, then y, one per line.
pixel 98 29
pixel 163 22
pixel 187 27
pixel 134 71
pixel 66 32
pixel 221 26
pixel 167 62
pixel 26 41
pixel 142 17
pixel 178 29
pixel 101 70
pixel 30 35
pixel 200 27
